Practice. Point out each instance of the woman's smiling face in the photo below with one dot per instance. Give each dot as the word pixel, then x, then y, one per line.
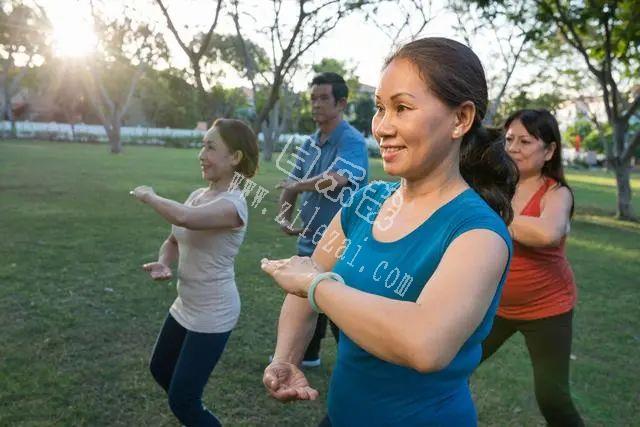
pixel 412 126
pixel 216 161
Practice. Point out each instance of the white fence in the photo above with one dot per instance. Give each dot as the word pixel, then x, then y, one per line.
pixel 128 134
pixel 589 158
pixel 63 131
pixel 144 135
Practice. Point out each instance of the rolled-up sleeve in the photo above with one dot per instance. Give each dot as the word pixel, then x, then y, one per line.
pixel 351 160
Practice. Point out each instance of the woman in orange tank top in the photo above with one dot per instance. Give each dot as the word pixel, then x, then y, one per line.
pixel 540 292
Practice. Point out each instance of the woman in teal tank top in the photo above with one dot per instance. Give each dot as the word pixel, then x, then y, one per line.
pixel 410 272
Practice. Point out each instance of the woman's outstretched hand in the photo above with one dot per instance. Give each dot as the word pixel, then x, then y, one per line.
pixel 286 382
pixel 142 193
pixel 157 271
pixel 294 274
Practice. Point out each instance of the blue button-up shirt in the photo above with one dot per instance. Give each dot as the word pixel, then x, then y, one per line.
pixel 344 152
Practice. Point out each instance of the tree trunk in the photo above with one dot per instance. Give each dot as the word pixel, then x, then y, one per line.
pixel 491 112
pixel 8 112
pixel 622 169
pixel 623 185
pixel 115 143
pixel 274 96
pixel 271 132
pixel 202 94
pixel 267 153
pixel 267 141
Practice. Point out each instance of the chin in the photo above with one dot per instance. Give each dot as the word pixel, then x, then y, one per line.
pixel 392 171
pixel 392 168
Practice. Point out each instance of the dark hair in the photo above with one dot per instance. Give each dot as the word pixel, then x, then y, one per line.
pixel 339 88
pixel 238 136
pixel 543 125
pixel 454 74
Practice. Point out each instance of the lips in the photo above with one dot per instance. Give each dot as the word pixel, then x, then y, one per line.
pixel 392 148
pixel 390 152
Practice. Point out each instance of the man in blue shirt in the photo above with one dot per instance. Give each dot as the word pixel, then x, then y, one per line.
pixel 329 168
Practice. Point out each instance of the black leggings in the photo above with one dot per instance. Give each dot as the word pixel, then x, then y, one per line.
pixel 181 364
pixel 549 343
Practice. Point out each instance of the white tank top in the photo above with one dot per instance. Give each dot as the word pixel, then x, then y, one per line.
pixel 208 300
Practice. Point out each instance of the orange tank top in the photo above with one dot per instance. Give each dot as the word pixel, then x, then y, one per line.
pixel 540 281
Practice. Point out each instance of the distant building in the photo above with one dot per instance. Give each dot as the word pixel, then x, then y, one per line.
pixel 584 107
pixel 248 92
pixel 27 104
pixel 363 88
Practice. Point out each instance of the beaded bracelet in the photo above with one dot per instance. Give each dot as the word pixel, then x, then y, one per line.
pixel 314 283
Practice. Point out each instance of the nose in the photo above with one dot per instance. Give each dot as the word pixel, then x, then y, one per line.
pixel 201 154
pixel 382 127
pixel 510 146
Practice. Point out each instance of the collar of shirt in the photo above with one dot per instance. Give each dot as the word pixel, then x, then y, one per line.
pixel 334 136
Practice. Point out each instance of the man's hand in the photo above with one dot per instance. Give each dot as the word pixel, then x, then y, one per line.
pixel 288 185
pixel 286 382
pixel 288 228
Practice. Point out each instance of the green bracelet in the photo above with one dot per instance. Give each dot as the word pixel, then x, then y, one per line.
pixel 314 284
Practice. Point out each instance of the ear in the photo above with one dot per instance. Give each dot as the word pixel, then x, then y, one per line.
pixel 237 157
pixel 342 104
pixel 549 151
pixel 465 115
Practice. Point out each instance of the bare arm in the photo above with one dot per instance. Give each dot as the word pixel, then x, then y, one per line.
pixel 288 200
pixel 552 225
pixel 290 190
pixel 218 213
pixel 168 253
pixel 427 334
pixel 161 269
pixel 295 329
pixel 321 182
pixel 297 320
pixel 351 159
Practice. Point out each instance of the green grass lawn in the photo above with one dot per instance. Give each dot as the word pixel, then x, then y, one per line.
pixel 79 317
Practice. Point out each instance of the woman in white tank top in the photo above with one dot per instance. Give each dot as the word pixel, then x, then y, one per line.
pixel 206 234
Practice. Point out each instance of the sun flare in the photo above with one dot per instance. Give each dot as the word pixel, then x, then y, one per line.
pixel 73 36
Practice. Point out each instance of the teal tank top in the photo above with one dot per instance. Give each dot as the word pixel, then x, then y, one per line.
pixel 367 391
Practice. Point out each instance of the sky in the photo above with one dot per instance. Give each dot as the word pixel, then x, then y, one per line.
pixel 360 44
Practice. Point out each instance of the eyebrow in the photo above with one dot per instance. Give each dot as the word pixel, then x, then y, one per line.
pixel 398 95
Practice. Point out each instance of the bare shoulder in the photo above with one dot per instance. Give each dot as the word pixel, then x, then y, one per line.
pixel 557 195
pixel 488 240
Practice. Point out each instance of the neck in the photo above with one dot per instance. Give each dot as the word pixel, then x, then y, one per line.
pixel 440 183
pixel 530 180
pixel 221 184
pixel 329 126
